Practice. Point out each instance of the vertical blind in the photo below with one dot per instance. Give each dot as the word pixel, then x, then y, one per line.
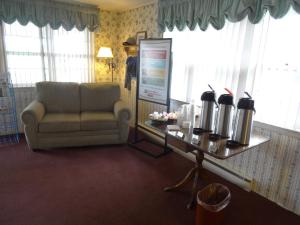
pixel 261 59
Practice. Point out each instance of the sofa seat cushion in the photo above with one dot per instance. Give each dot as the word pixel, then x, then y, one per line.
pixel 98 121
pixel 59 122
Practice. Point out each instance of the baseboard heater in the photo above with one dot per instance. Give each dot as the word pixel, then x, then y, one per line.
pixel 231 176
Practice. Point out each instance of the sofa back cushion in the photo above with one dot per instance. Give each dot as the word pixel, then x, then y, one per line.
pixel 59 97
pixel 99 97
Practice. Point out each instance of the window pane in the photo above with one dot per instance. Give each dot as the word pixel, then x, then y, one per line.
pixel 277 71
pixel 23 50
pixel 68 54
pixel 200 58
pixel 25 69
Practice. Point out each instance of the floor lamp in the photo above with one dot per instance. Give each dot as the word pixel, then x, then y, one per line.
pixel 105 52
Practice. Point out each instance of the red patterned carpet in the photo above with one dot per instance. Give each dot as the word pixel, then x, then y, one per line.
pixel 111 185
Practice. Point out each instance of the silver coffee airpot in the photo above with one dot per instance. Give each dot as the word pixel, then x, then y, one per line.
pixel 242 124
pixel 208 110
pixel 224 115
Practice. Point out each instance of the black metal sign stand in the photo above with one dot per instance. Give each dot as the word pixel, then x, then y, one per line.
pixel 137 140
pixel 165 149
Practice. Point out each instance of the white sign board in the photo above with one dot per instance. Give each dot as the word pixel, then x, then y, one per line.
pixel 154 70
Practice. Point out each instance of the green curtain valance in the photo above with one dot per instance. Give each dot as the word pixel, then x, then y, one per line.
pixel 189 13
pixel 54 13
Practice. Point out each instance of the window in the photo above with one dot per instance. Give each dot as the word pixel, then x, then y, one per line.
pixel 261 59
pixel 42 54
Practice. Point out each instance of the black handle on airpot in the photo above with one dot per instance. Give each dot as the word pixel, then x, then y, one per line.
pixel 209 96
pixel 226 99
pixel 246 103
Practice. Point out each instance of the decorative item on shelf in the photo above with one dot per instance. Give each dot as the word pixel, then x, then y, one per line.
pixel 130 46
pixel 105 52
pixel 139 36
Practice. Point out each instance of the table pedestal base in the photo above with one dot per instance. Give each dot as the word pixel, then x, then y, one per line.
pixel 193 173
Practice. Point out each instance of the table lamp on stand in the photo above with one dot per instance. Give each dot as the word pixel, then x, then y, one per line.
pixel 105 52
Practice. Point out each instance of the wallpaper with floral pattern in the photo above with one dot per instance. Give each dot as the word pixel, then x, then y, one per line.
pixel 105 36
pixel 115 28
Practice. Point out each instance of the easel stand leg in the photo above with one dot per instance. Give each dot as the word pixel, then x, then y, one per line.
pixel 165 147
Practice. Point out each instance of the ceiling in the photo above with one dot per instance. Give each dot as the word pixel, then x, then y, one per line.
pixel 117 5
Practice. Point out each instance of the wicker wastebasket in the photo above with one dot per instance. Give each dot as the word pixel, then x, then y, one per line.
pixel 211 202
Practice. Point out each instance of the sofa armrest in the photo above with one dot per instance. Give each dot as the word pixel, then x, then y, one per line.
pixel 32 114
pixel 121 111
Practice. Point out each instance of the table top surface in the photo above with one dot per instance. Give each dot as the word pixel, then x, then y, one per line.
pixel 216 148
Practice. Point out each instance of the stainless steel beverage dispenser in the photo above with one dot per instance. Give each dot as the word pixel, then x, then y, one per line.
pixel 224 115
pixel 243 120
pixel 207 110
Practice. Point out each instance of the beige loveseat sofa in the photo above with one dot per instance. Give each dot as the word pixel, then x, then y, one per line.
pixel 70 114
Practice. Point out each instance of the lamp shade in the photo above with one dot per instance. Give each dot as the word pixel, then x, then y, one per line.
pixel 105 52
